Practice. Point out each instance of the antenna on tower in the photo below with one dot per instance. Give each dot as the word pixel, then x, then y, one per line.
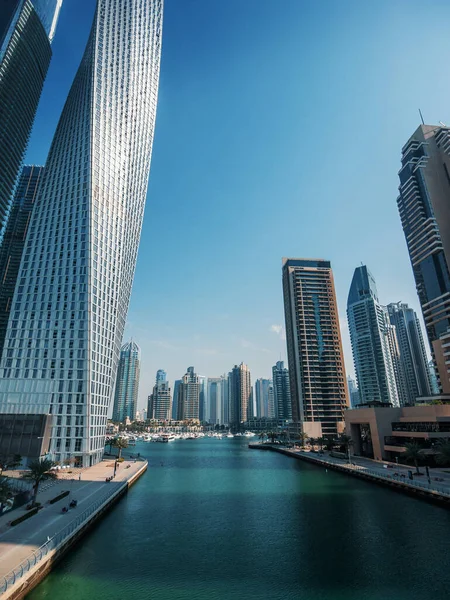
pixel 421 117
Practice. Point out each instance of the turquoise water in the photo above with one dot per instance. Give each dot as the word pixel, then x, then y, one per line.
pixel 221 522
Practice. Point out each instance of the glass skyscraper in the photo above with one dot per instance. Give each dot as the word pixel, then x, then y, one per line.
pixel 189 396
pixel 160 400
pixel 27 28
pixel 424 207
pixel 371 341
pixel 68 313
pixel 282 391
pixel 127 383
pixel 319 392
pixel 240 395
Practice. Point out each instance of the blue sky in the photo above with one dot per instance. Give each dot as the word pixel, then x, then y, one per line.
pixel 279 131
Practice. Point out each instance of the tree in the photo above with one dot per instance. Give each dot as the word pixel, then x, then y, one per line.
pixel 38 471
pixel 303 437
pixel 312 442
pixel 110 441
pixel 10 462
pixel 413 454
pixel 330 442
pixel 120 443
pixel 272 435
pixel 262 436
pixel 5 490
pixel 321 442
pixel 443 452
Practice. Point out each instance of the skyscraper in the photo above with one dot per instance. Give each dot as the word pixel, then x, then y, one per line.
pixel 214 395
pixel 413 357
pixel 240 394
pixel 262 397
pixel 13 243
pixel 176 391
pixel 271 414
pixel 424 207
pixel 203 401
pixel 371 344
pixel 189 396
pixel 319 392
pixel 127 384
pixel 27 28
pixel 353 392
pixel 77 269
pixel 160 401
pixel 282 391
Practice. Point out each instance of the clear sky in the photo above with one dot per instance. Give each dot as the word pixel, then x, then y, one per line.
pixel 279 131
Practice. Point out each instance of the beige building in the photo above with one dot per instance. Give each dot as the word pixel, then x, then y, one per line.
pixel 319 393
pixel 381 432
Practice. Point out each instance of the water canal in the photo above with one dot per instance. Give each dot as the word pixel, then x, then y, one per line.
pixel 216 521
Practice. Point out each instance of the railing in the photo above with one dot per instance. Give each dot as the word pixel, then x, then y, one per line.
pixel 54 542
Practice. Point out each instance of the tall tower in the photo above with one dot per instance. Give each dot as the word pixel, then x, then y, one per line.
pixel 319 392
pixel 176 392
pixel 262 397
pixel 13 243
pixel 413 357
pixel 27 28
pixel 127 384
pixel 282 391
pixel 78 265
pixel 424 207
pixel 189 396
pixel 160 401
pixel 370 337
pixel 214 395
pixel 240 394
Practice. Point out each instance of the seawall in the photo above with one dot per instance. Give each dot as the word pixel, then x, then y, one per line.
pixel 29 575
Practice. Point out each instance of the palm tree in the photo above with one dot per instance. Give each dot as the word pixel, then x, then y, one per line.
pixel 413 454
pixel 312 442
pixel 120 443
pixel 321 442
pixel 262 436
pixel 303 437
pixel 443 452
pixel 5 490
pixel 329 443
pixel 39 470
pixel 10 462
pixel 272 435
pixel 110 441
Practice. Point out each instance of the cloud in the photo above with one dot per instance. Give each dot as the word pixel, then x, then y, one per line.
pixel 279 330
pixel 246 344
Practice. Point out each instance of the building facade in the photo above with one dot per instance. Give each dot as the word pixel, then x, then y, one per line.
pixel 127 383
pixel 240 395
pixel 189 396
pixel 11 248
pixel 353 392
pixel 424 208
pixel 282 392
pixel 160 400
pixel 75 279
pixel 262 397
pixel 372 345
pixel 176 391
pixel 27 28
pixel 319 392
pixel 413 358
pixel 215 395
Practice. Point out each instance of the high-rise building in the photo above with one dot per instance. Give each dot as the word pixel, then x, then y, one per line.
pixel 433 379
pixel 160 401
pixel 282 391
pixel 189 396
pixel 271 414
pixel 353 392
pixel 176 392
pixel 27 28
pixel 127 384
pixel 413 358
pixel 214 395
pixel 371 339
pixel 424 207
pixel 262 397
pixel 13 243
pixel 240 394
pixel 225 399
pixel 203 401
pixel 78 265
pixel 319 392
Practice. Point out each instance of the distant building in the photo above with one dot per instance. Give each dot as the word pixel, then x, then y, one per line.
pixel 433 379
pixel 176 391
pixel 127 383
pixel 13 243
pixel 281 391
pixel 189 396
pixel 371 344
pixel 225 395
pixel 160 401
pixel 413 357
pixel 424 208
pixel 215 396
pixel 319 392
pixel 203 399
pixel 240 394
pixel 353 392
pixel 271 413
pixel 262 397
pixel 26 33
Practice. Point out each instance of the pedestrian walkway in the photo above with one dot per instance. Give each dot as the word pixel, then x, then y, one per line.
pixel 19 542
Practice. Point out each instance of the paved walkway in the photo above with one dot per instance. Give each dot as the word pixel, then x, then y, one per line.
pixel 18 542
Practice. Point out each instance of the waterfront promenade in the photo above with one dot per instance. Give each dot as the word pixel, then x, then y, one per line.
pixel 438 488
pixel 26 544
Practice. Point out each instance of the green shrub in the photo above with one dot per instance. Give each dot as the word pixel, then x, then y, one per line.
pixel 27 515
pixel 60 497
pixel 121 459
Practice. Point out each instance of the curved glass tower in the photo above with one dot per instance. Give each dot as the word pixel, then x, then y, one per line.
pixel 69 309
pixel 127 384
pixel 27 28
